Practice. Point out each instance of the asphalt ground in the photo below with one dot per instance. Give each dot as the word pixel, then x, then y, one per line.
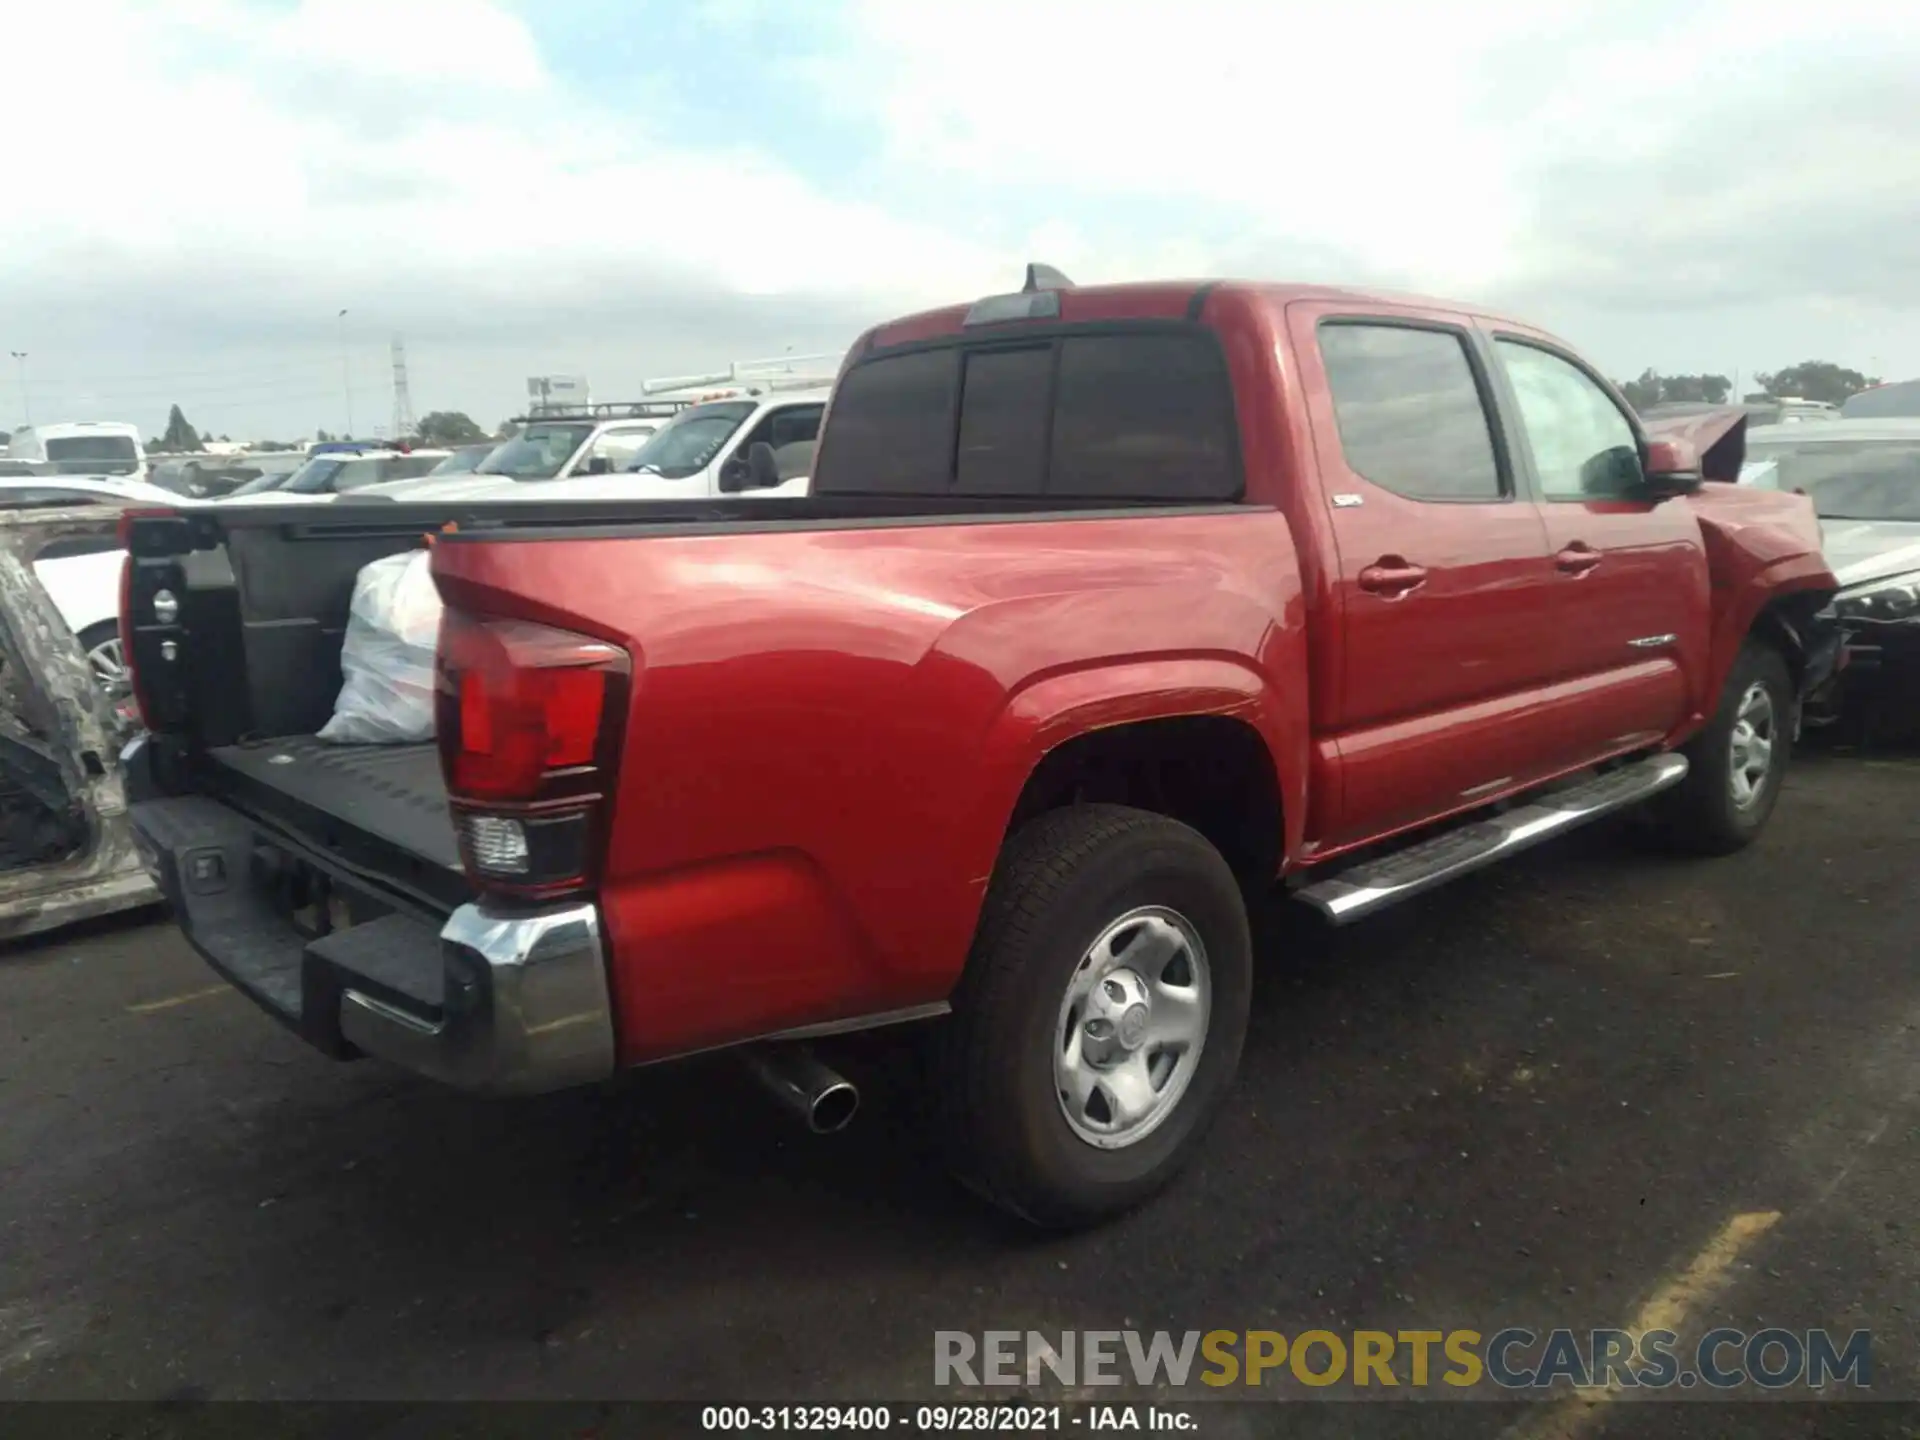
pixel 1565 1092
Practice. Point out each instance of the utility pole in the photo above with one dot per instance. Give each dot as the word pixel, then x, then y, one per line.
pixel 26 411
pixel 403 425
pixel 346 378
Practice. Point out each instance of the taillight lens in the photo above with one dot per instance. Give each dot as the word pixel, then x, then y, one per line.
pixel 528 719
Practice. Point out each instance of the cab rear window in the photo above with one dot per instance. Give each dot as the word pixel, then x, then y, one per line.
pixel 1121 415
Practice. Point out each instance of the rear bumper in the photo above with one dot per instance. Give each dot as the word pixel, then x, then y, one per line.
pixel 502 1002
pixel 531 1012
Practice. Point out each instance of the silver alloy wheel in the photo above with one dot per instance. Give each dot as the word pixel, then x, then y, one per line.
pixel 109 666
pixel 1132 1027
pixel 1752 744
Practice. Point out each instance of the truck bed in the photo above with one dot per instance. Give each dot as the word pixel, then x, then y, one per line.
pixel 360 803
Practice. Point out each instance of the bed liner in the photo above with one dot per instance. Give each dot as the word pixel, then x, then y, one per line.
pixel 341 797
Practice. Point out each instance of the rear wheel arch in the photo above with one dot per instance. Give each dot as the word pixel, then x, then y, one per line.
pixel 1214 773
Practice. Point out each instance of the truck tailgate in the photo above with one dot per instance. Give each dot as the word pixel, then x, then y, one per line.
pixel 389 793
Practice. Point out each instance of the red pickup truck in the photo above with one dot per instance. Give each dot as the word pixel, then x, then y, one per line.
pixel 1112 607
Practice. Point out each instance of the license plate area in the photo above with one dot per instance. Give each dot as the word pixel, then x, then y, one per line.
pixel 307 897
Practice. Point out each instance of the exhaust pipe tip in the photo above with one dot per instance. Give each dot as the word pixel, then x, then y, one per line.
pixel 824 1100
pixel 833 1109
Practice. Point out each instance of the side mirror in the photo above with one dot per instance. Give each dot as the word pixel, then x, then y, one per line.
pixel 599 465
pixel 1672 468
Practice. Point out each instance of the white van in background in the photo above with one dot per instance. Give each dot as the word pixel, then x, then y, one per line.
pixel 82 447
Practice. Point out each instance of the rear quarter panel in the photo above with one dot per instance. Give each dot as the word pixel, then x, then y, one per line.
pixel 829 729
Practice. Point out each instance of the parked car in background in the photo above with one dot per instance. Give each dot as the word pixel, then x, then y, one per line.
pixel 208 476
pixel 336 472
pixel 1899 400
pixel 82 447
pixel 701 452
pixel 83 580
pixel 1109 610
pixel 462 459
pixel 557 445
pixel 1863 477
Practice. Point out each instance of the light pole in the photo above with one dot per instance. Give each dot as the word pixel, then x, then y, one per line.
pixel 346 379
pixel 26 411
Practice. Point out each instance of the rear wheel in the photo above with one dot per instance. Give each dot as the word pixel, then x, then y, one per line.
pixel 1101 1017
pixel 1737 763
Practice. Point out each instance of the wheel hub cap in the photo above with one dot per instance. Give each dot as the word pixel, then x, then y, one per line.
pixel 1751 745
pixel 1132 1027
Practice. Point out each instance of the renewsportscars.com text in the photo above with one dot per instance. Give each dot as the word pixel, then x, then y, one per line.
pixel 1511 1359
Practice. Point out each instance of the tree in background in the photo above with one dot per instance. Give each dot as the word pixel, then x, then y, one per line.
pixel 1816 380
pixel 1653 388
pixel 178 435
pixel 1700 389
pixel 321 437
pixel 449 427
pixel 1642 392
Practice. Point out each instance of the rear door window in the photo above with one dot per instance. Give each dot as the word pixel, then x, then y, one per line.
pixel 1409 409
pixel 1142 415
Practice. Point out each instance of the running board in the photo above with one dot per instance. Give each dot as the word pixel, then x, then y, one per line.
pixel 1376 884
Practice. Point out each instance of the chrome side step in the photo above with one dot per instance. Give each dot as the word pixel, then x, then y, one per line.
pixel 1376 884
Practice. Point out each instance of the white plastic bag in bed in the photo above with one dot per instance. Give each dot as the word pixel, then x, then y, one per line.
pixel 387 695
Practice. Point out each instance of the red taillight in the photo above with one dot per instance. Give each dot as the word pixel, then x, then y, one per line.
pixel 527 717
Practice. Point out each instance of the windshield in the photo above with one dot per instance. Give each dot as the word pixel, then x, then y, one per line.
pixel 686 444
pixel 1851 480
pixel 310 479
pixel 462 462
pixel 536 453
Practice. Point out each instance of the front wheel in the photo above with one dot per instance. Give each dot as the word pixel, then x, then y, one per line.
pixel 1737 763
pixel 1101 1017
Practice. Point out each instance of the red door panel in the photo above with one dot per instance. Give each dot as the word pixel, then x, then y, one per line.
pixel 1442 578
pixel 1631 574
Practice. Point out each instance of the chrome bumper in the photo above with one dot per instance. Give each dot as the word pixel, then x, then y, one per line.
pixel 500 1001
pixel 526 1008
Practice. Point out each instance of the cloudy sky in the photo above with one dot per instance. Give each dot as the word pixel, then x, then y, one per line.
pixel 622 188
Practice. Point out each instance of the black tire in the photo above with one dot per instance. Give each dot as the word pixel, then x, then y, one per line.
pixel 1061 880
pixel 1700 814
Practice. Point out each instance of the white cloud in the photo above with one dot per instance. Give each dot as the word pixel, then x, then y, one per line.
pixel 354 161
pixel 238 174
pixel 1479 148
pixel 197 185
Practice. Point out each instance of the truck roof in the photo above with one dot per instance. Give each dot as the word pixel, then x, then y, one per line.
pixel 1159 299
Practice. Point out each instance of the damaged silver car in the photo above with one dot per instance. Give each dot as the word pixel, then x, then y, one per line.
pixel 66 852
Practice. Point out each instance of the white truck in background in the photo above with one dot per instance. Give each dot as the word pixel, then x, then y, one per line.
pixel 700 433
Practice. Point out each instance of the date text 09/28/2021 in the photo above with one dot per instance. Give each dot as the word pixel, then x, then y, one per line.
pixel 944 1419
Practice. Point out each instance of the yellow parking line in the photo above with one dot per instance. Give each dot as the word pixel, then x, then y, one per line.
pixel 1666 1309
pixel 148 1007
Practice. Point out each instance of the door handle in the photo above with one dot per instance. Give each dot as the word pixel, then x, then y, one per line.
pixel 1578 558
pixel 1391 575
